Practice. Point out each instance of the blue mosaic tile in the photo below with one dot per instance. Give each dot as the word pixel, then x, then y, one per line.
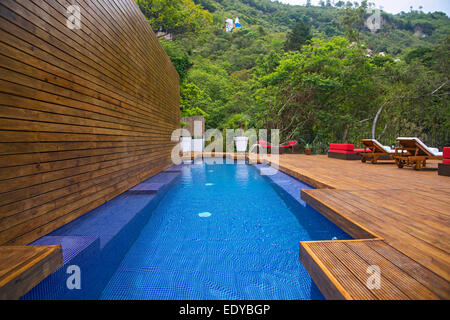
pixel 247 248
pixel 161 246
pixel 98 240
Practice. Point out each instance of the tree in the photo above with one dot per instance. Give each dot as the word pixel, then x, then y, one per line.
pixel 353 20
pixel 320 91
pixel 330 90
pixel 297 37
pixel 178 56
pixel 175 16
pixel 308 3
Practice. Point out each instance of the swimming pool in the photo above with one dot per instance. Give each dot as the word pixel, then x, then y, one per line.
pixel 223 231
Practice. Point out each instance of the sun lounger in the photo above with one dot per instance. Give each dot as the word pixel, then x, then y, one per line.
pixel 376 151
pixel 293 145
pixel 260 145
pixel 414 153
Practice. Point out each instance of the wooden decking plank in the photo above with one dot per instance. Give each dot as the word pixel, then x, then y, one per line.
pixel 423 226
pixel 429 279
pixel 350 171
pixel 403 281
pixel 412 227
pixel 322 277
pixel 358 267
pixel 422 250
pixel 358 210
pixel 438 195
pixel 334 213
pixel 352 285
pixel 402 204
pixel 342 208
pixel 405 208
pixel 415 200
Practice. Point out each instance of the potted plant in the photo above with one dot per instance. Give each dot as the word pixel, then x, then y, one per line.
pixel 186 142
pixel 241 140
pixel 308 149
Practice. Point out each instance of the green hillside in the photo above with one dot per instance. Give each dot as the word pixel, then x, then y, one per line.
pixel 329 90
pixel 397 34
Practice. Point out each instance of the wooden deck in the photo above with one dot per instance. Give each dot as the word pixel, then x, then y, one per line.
pixel 23 267
pixel 400 218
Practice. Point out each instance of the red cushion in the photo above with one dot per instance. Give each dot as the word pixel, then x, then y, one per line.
pixel 264 144
pixel 446 153
pixel 343 147
pixel 446 161
pixel 342 151
pixel 288 144
pixel 362 150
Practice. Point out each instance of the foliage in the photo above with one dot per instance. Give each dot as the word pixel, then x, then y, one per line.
pixel 178 56
pixel 297 37
pixel 192 112
pixel 174 16
pixel 353 20
pixel 331 89
pixel 238 120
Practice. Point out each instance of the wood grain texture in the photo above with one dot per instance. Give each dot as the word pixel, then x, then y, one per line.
pixel 400 219
pixel 85 114
pixel 23 267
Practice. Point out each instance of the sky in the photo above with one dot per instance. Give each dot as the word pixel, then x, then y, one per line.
pixel 396 6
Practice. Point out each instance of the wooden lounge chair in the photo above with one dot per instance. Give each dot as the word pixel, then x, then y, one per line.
pixel 414 153
pixel 376 151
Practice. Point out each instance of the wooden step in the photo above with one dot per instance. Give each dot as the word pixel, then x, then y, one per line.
pixel 23 267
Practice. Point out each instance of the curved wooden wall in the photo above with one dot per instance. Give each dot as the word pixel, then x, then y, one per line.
pixel 85 114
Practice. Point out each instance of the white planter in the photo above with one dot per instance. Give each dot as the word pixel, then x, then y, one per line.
pixel 241 143
pixel 198 145
pixel 186 144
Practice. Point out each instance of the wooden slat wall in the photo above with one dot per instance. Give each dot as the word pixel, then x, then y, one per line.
pixel 84 114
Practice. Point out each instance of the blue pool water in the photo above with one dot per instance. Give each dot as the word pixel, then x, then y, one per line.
pixel 222 232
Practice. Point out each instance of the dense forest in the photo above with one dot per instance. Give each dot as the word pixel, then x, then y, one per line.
pixel 320 74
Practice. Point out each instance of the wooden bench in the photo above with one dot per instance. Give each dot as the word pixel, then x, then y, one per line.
pixel 345 151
